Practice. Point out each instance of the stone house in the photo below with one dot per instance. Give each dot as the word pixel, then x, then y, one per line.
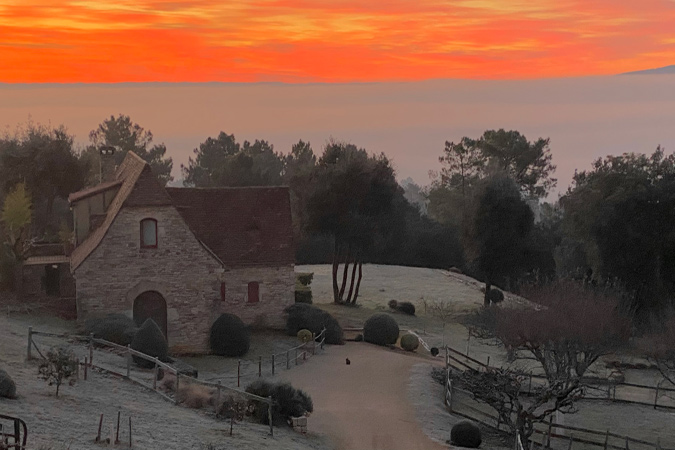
pixel 181 256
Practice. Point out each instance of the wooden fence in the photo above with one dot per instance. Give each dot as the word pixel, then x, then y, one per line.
pixel 299 352
pixel 460 402
pixel 15 437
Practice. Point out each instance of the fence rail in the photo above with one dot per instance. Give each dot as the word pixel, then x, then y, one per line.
pixel 302 351
pixel 546 430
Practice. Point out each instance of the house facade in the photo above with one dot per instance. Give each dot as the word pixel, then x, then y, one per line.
pixel 182 256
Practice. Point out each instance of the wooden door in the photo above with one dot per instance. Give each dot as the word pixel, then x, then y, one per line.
pixel 151 305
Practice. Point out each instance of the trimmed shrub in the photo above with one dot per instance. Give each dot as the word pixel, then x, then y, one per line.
pixel 304 335
pixel 303 316
pixel 229 336
pixel 465 434
pixel 116 328
pixel 406 308
pixel 150 340
pixel 434 351
pixel 496 296
pixel 409 342
pixel 288 402
pixel 380 329
pixel 304 279
pixel 303 294
pixel 7 385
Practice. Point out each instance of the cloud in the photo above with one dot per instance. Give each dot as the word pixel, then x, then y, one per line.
pixel 330 40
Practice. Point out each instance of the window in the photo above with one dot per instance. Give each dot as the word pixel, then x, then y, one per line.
pixel 148 233
pixel 253 292
pixel 222 291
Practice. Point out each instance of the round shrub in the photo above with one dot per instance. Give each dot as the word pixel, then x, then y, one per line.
pixel 303 294
pixel 465 434
pixel 380 329
pixel 288 402
pixel 406 308
pixel 304 335
pixel 7 386
pixel 116 328
pixel 304 316
pixel 229 336
pixel 358 338
pixel 496 296
pixel 393 304
pixel 304 279
pixel 150 340
pixel 409 342
pixel 434 351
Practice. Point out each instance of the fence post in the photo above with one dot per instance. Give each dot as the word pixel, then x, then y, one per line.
pixel 30 342
pixel 468 341
pixel 656 396
pixel 238 371
pixel 91 349
pixel 154 381
pixel 269 415
pixel 569 446
pixel 177 386
pixel 606 439
pixel 86 364
pixel 128 361
pixel 272 365
pixel 447 386
pixel 488 362
pixel 658 443
pixel 452 395
pixel 217 398
pixel 627 443
pixel 550 428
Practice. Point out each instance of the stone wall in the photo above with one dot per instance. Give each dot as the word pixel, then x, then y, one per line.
pixel 277 291
pixel 183 272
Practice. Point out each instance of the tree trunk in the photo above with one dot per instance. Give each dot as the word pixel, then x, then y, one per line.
pixel 486 299
pixel 336 263
pixel 344 276
pixel 358 283
pixel 351 284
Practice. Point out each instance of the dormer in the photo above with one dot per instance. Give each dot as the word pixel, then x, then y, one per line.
pixel 90 206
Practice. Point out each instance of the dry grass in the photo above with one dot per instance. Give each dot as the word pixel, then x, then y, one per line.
pixel 196 396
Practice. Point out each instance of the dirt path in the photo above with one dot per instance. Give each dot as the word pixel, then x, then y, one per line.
pixel 364 405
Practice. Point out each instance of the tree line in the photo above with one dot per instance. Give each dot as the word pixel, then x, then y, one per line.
pixel 484 211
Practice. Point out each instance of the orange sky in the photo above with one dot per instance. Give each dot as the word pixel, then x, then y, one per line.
pixel 329 40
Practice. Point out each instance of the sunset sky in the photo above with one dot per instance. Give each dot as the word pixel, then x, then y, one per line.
pixel 329 40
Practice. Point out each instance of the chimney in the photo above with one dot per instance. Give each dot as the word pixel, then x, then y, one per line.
pixel 107 153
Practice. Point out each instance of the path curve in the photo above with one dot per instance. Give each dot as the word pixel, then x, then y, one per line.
pixel 364 405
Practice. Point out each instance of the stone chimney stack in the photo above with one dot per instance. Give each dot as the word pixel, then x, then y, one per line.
pixel 107 153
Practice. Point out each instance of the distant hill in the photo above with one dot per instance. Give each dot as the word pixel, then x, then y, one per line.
pixel 659 71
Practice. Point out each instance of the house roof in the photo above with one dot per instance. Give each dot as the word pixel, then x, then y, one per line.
pixel 128 174
pixel 242 226
pixel 80 195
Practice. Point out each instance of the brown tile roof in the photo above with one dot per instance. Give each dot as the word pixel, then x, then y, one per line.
pixel 132 170
pixel 241 226
pixel 79 195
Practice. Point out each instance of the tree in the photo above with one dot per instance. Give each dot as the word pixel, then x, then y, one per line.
pixel 16 217
pixel 502 226
pixel 620 216
pixel 127 136
pixel 223 162
pixel 44 159
pixel 352 195
pixel 298 167
pixel 59 365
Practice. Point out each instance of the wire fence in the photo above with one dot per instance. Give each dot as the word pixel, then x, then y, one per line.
pixel 546 435
pixel 116 360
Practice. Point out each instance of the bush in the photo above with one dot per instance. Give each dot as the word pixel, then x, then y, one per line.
pixel 229 336
pixel 303 294
pixel 409 342
pixel 288 402
pixel 305 335
pixel 358 338
pixel 434 351
pixel 7 386
pixel 149 340
pixel 195 396
pixel 496 296
pixel 304 279
pixel 59 365
pixel 303 316
pixel 406 308
pixel 393 304
pixel 380 329
pixel 465 434
pixel 116 328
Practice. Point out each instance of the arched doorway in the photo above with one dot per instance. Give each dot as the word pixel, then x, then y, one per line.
pixel 151 305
